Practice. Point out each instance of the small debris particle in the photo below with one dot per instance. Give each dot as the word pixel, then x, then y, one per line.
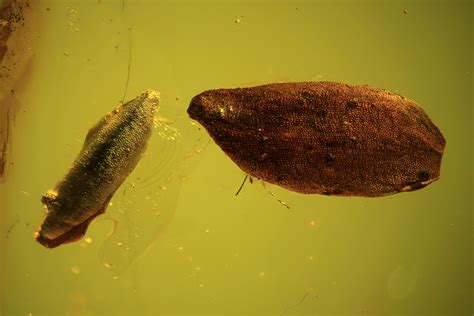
pixel 120 244
pixel 312 223
pixel 75 269
pixel 115 278
pixel 180 248
pixel 11 227
pixel 207 230
pixel 296 305
pixel 405 11
pixel 66 54
pixel 237 21
pixel 107 265
pixel 261 275
pixel 88 240
pixel 201 285
pixel 47 9
pixel 177 98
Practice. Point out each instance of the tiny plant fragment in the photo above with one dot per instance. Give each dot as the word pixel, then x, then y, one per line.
pixel 324 137
pixel 111 151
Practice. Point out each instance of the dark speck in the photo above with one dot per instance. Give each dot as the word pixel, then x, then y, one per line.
pixel 423 176
pixel 328 158
pixel 308 96
pixel 352 104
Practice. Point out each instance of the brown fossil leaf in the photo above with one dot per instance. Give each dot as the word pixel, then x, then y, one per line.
pixel 324 137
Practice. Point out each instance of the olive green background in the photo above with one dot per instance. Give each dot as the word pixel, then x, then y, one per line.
pixel 184 244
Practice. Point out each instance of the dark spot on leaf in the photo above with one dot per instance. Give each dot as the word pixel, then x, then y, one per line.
pixel 333 192
pixel 308 96
pixel 351 104
pixel 423 175
pixel 328 158
pixel 262 140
